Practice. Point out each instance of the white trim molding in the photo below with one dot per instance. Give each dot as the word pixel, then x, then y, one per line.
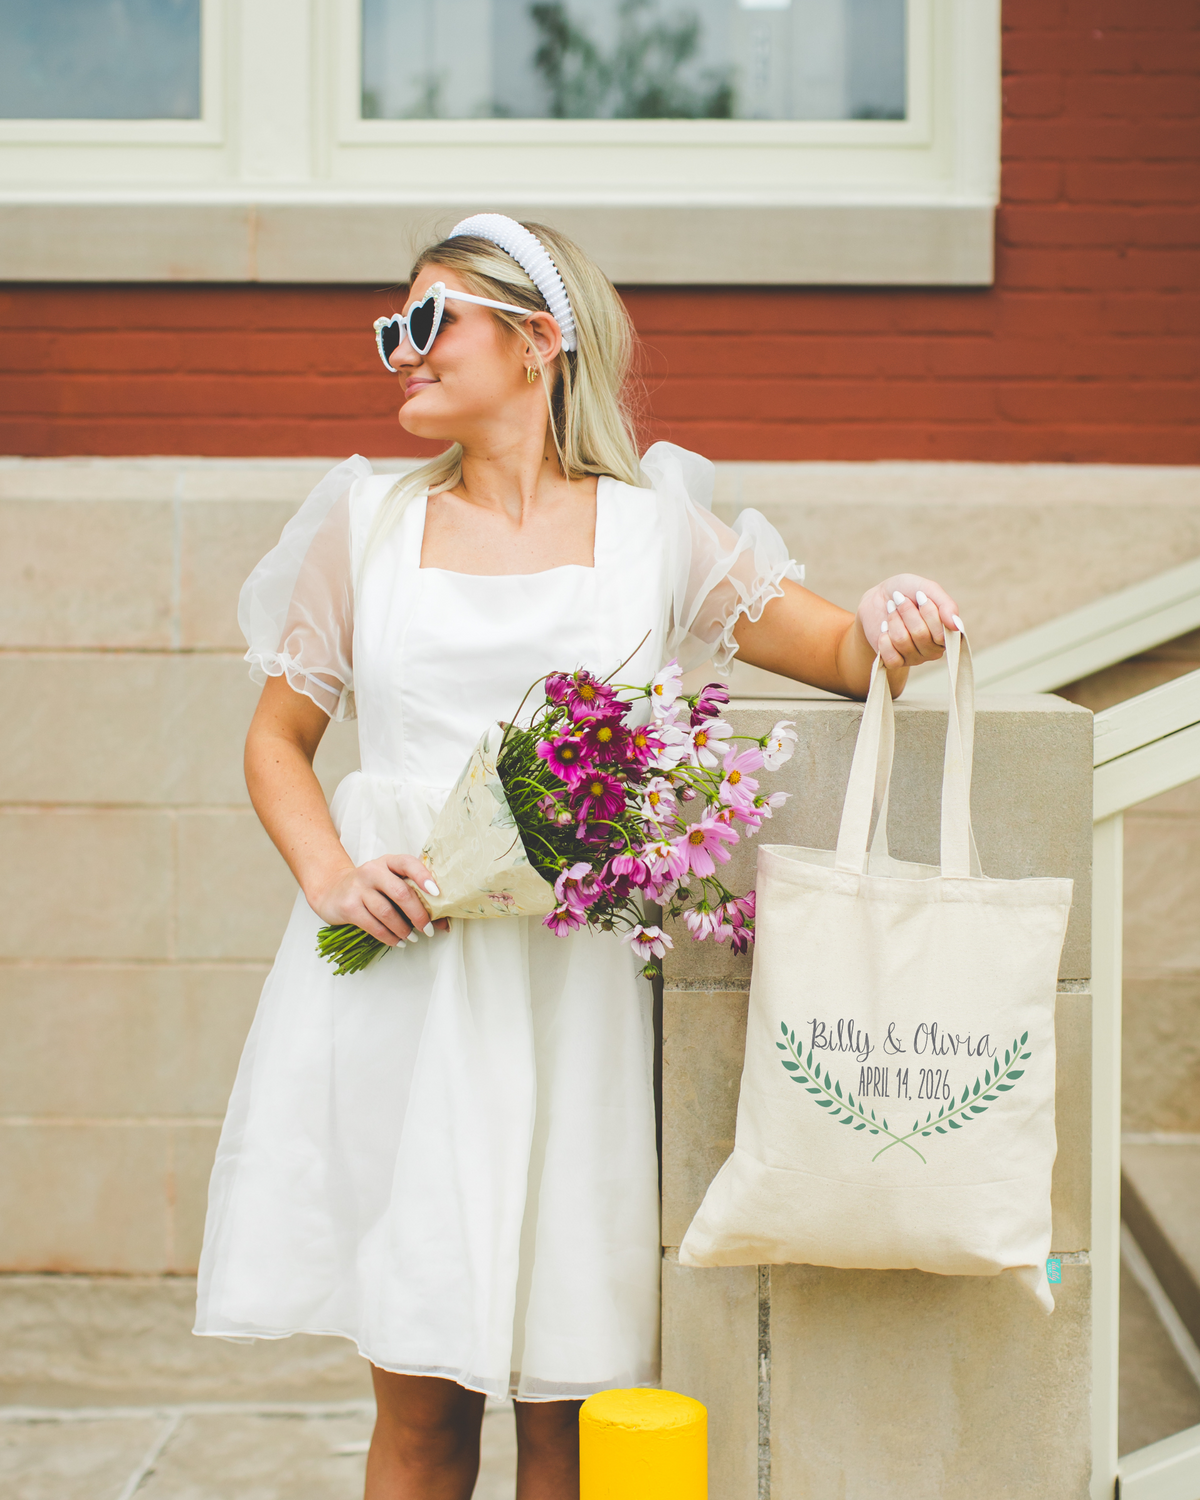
pixel 281 180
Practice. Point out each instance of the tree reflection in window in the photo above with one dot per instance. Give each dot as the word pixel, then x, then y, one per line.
pixel 642 78
pixel 635 59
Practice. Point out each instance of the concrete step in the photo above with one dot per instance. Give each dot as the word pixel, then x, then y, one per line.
pixel 1160 1202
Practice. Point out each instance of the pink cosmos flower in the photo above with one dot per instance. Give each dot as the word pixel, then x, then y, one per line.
pixel 740 940
pixel 665 859
pixel 709 744
pixel 597 794
pixel 567 756
pixel 702 920
pixel 564 919
pixel 712 699
pixel 665 688
pixel 739 914
pixel 648 942
pixel 607 739
pixel 739 786
pixel 629 866
pixel 576 886
pixel 704 842
pixel 558 685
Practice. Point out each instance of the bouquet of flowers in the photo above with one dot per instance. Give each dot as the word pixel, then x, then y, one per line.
pixel 596 791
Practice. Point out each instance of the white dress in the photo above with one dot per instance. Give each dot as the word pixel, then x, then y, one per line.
pixel 450 1157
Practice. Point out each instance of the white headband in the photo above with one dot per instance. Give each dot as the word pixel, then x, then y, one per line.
pixel 533 258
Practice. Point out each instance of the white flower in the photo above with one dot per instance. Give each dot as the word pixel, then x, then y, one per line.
pixel 780 743
pixel 659 798
pixel 665 688
pixel 677 740
pixel 708 745
pixel 648 942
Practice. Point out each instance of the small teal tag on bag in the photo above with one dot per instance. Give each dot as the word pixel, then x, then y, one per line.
pixel 1054 1270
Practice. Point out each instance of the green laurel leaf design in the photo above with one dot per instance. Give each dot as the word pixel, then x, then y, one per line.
pixel 846 1110
pixel 829 1095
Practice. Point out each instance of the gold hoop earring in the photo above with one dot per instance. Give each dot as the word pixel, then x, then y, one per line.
pixel 531 373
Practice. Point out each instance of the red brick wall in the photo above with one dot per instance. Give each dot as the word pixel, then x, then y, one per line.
pixel 1086 348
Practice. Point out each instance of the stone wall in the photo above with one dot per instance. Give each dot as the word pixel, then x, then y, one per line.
pixel 142 902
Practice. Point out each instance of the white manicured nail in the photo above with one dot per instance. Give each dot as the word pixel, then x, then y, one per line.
pixel 958 625
pixel 922 598
pixel 411 938
pixel 898 596
pixel 428 929
pixel 431 888
pixel 891 608
pixel 883 630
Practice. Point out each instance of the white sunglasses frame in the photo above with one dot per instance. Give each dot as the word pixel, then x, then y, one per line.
pixel 441 294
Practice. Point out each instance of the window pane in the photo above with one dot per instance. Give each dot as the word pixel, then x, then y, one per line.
pixel 100 59
pixel 634 59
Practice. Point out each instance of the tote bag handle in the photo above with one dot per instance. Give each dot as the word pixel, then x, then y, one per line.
pixel 866 802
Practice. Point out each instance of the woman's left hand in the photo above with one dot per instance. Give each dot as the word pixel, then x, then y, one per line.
pixel 905 619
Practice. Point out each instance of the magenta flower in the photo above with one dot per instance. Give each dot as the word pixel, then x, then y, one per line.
pixel 648 942
pixel 567 756
pixel 597 794
pixel 608 739
pixel 704 843
pixel 564 919
pixel 558 685
pixel 589 698
pixel 645 743
pixel 712 699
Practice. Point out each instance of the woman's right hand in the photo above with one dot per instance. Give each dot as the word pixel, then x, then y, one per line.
pixel 377 897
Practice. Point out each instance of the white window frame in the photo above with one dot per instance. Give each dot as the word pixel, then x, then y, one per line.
pixel 282 180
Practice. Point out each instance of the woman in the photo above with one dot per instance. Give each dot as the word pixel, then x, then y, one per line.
pixel 450 1157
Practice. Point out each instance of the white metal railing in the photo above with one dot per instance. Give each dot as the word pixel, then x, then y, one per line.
pixel 1143 747
pixel 1086 640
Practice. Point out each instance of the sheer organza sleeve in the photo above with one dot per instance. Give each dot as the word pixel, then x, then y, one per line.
pixel 296 609
pixel 718 572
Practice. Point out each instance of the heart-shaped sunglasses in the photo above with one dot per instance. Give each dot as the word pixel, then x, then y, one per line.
pixel 422 321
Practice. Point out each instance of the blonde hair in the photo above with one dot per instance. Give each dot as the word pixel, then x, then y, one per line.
pixel 590 408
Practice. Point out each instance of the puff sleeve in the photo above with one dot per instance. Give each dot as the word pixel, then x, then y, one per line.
pixel 296 609
pixel 717 572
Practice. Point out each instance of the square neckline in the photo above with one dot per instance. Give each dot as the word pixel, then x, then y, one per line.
pixel 601 480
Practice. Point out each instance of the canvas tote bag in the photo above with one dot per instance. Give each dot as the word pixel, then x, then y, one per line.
pixel 897 1098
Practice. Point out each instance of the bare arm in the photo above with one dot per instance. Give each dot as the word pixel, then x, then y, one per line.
pixel 811 640
pixel 283 739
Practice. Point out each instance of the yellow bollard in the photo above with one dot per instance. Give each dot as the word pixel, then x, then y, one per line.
pixel 643 1445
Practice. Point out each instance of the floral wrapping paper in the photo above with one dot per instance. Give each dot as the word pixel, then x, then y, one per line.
pixel 475 851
